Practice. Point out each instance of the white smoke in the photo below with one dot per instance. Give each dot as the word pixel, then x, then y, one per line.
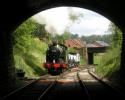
pixel 54 19
pixel 57 19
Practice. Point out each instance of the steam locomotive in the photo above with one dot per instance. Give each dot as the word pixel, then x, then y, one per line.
pixel 56 58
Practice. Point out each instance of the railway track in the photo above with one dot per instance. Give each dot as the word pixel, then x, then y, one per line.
pixel 34 90
pixel 38 87
pixel 107 84
pixel 97 89
pixel 84 87
pixel 69 85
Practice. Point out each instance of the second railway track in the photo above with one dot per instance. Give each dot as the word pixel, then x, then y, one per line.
pixel 33 91
pixel 69 85
pixel 98 90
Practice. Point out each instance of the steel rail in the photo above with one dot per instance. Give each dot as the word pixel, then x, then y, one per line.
pixel 21 88
pixel 106 84
pixel 48 89
pixel 83 86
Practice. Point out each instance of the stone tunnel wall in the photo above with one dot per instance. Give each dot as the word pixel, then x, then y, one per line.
pixel 22 9
pixel 7 70
pixel 122 70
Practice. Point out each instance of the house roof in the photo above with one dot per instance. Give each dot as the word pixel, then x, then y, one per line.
pixel 98 44
pixel 77 43
pixel 91 45
pixel 101 43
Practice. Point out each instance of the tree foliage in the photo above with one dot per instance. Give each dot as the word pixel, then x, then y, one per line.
pixel 110 62
pixel 24 31
pixel 61 38
pixel 116 35
pixel 41 32
pixel 29 50
pixel 90 39
pixel 66 35
pixel 72 50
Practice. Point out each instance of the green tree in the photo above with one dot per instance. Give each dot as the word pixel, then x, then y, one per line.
pixel 41 32
pixel 72 50
pixel 90 39
pixel 66 35
pixel 116 35
pixel 24 31
pixel 74 36
pixel 29 51
pixel 110 61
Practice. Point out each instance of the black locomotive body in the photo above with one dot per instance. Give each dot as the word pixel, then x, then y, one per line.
pixel 56 58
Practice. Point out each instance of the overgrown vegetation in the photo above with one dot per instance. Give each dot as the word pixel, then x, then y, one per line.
pixel 90 39
pixel 29 50
pixel 109 63
pixel 30 44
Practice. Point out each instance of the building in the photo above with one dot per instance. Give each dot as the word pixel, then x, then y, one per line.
pixel 79 46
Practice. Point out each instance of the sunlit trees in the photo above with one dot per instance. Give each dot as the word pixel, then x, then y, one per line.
pixel 110 62
pixel 29 50
pixel 116 35
pixel 24 31
pixel 41 33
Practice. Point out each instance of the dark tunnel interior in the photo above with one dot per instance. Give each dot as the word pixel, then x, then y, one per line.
pixel 15 12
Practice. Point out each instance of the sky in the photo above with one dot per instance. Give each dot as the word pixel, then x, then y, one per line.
pixel 57 20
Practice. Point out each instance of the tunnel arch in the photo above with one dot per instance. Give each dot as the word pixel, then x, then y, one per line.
pixel 23 9
pixel 35 7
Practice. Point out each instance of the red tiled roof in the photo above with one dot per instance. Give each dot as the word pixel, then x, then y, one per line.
pixel 74 43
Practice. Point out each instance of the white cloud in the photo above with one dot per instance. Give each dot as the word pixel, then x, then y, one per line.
pixel 57 20
pixel 91 25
